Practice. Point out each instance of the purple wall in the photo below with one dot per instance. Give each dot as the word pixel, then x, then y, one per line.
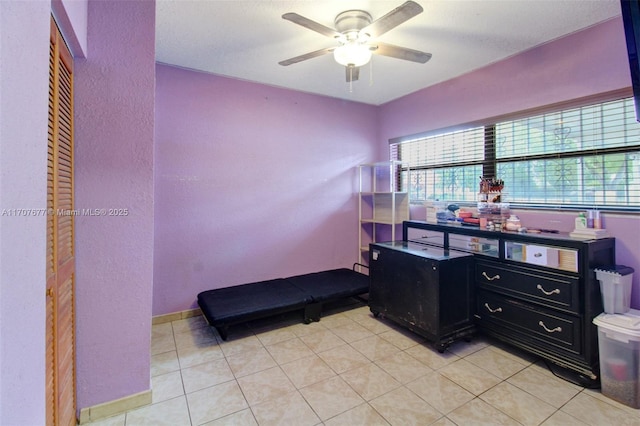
pixel 71 16
pixel 582 64
pixel 252 183
pixel 114 112
pixel 24 92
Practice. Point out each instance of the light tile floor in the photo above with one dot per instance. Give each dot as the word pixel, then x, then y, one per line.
pixel 352 369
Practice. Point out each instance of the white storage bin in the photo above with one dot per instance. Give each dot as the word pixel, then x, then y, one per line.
pixel 615 286
pixel 619 349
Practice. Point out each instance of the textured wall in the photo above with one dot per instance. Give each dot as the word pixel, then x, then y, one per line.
pixel 585 63
pixel 71 16
pixel 252 183
pixel 581 64
pixel 114 170
pixel 23 177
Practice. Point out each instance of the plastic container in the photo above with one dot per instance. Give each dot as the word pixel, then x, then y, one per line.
pixel 590 217
pixel 615 286
pixel 513 223
pixel 619 349
pixel 597 222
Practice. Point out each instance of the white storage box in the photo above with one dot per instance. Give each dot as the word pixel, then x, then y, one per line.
pixel 619 348
pixel 615 285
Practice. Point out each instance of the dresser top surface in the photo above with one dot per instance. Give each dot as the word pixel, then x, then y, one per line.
pixel 541 237
pixel 422 250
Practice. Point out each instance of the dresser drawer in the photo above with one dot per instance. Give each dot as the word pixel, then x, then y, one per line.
pixel 485 246
pixel 541 255
pixel 425 236
pixel 531 322
pixel 553 290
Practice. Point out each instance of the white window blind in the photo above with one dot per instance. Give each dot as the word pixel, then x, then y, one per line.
pixel 444 166
pixel 586 156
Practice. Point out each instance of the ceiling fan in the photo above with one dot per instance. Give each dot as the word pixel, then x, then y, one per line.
pixel 355 32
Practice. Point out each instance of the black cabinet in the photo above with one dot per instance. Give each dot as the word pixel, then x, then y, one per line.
pixel 537 292
pixel 427 289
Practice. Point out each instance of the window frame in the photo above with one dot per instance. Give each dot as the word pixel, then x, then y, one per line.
pixel 491 160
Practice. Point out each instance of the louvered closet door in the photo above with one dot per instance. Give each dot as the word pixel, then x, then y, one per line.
pixel 60 357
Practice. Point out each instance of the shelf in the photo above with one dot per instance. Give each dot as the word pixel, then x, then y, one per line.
pixel 382 221
pixel 382 177
pixel 384 193
pixel 383 202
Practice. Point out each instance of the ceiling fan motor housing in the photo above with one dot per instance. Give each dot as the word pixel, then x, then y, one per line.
pixel 351 22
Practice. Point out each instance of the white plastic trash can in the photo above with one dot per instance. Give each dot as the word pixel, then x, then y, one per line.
pixel 619 350
pixel 615 286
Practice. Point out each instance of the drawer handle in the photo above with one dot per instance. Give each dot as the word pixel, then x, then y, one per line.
pixel 558 329
pixel 548 293
pixel 495 277
pixel 493 311
pixel 537 255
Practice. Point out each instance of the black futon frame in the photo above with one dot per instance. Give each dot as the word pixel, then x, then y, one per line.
pixel 228 306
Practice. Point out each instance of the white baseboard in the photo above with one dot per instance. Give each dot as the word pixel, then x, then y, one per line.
pixel 117 406
pixel 174 316
pixel 122 405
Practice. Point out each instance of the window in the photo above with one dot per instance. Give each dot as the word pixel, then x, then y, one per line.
pixel 577 157
pixel 444 166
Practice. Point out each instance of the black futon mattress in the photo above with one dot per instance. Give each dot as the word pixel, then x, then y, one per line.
pixel 227 306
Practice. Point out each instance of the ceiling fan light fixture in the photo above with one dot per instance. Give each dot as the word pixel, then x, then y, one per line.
pixel 353 33
pixel 353 54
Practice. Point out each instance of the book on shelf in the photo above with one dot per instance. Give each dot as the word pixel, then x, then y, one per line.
pixel 589 233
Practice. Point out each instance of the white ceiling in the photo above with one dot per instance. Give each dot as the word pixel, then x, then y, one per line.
pixel 247 39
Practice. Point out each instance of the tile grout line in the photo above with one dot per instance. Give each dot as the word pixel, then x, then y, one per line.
pixel 526 364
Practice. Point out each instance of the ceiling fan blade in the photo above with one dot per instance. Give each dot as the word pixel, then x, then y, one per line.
pixel 306 56
pixel 312 25
pixel 352 73
pixel 392 19
pixel 398 52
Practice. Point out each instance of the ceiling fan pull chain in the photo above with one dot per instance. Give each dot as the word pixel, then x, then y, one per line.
pixel 370 73
pixel 350 79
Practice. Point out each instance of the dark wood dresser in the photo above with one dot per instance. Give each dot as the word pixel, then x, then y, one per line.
pixel 535 291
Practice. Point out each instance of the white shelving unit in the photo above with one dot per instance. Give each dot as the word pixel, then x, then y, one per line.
pixel 383 203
